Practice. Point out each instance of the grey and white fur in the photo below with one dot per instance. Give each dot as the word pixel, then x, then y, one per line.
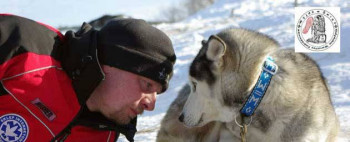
pixel 296 108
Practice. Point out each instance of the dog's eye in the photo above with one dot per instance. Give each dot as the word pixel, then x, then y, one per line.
pixel 194 84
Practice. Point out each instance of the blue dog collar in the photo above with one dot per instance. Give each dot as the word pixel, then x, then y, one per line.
pixel 268 70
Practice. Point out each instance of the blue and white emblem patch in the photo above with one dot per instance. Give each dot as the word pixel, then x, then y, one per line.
pixel 13 128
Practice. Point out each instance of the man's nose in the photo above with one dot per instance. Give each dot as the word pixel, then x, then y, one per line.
pixel 149 101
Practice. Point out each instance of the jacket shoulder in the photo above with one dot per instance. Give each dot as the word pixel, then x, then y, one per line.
pixel 20 35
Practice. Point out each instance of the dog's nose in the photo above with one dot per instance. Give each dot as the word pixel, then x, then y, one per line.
pixel 181 118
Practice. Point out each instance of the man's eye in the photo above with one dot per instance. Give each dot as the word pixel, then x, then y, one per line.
pixel 146 86
pixel 149 86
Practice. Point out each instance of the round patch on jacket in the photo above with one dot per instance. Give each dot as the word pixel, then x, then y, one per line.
pixel 14 128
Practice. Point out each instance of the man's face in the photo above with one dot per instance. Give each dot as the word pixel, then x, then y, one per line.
pixel 123 95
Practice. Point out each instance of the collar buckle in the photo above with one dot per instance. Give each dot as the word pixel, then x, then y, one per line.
pixel 270 66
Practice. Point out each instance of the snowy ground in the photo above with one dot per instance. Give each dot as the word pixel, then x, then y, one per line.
pixel 271 17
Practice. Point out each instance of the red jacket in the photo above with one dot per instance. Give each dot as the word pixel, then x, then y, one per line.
pixel 44 84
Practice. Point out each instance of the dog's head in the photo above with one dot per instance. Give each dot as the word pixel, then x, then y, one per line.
pixel 222 74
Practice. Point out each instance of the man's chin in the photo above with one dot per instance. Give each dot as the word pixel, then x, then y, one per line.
pixel 120 118
pixel 122 121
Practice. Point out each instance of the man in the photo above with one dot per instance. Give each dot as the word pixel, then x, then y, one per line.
pixel 85 86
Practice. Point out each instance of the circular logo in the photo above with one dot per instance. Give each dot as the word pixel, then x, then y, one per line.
pixel 13 128
pixel 317 29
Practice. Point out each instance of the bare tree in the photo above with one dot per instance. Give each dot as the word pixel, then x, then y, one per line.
pixel 187 8
pixel 173 14
pixel 193 6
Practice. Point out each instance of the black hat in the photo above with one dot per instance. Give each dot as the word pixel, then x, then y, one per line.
pixel 135 46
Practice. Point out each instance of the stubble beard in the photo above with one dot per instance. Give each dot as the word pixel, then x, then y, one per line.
pixel 120 118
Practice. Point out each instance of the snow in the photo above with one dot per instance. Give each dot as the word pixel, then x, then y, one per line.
pixel 271 17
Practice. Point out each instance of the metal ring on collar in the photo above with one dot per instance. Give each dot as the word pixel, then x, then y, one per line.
pixel 251 119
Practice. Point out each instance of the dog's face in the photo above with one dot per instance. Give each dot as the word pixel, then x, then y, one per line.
pixel 223 74
pixel 206 102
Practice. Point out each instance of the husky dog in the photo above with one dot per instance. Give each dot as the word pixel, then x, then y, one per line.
pixel 296 106
pixel 172 130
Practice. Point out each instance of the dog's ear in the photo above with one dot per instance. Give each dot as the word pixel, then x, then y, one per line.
pixel 216 48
